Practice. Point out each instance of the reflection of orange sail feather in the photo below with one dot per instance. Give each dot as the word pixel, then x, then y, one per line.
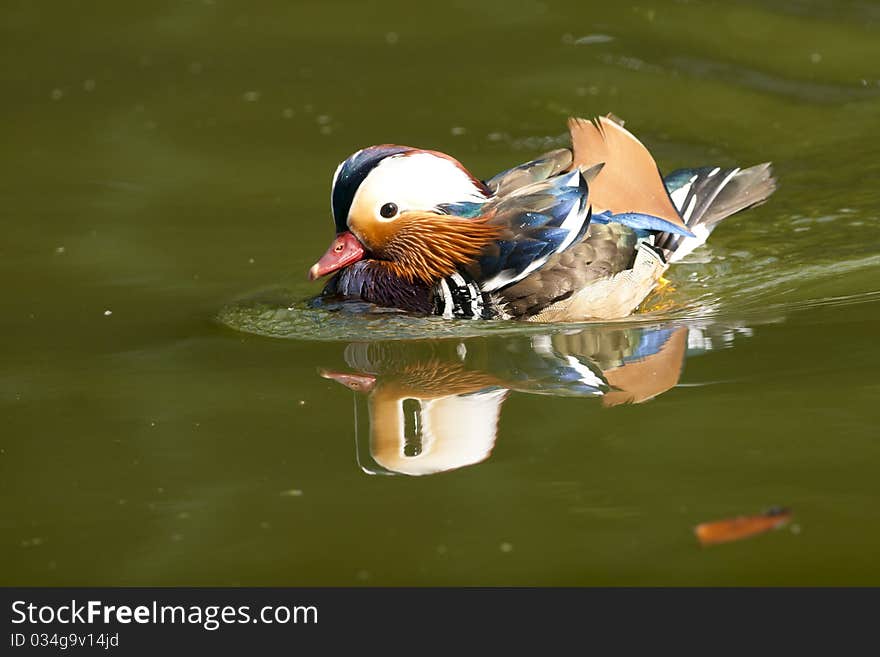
pixel 644 379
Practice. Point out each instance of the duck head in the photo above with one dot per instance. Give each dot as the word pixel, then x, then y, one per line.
pixel 418 211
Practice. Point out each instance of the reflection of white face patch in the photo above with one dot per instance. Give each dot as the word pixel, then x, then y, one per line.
pixel 452 432
pixel 421 181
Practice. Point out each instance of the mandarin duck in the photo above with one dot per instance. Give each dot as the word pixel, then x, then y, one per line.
pixel 436 407
pixel 579 233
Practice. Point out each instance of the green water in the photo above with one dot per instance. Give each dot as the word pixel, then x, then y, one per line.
pixel 168 163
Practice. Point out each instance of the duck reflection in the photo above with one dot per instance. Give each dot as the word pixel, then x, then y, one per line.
pixel 435 406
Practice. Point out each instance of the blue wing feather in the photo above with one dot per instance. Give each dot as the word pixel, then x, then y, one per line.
pixel 532 220
pixel 639 221
pixel 551 236
pixel 539 219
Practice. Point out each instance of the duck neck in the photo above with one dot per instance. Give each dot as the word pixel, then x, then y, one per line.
pixel 376 281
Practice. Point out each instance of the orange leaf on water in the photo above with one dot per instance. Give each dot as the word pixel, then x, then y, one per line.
pixel 736 529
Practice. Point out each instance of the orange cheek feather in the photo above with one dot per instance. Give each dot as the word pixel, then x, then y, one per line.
pixel 423 245
pixel 372 233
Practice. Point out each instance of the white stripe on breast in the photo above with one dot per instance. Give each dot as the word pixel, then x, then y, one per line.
pixel 447 299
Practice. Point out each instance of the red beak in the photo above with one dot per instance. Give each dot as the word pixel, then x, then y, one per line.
pixel 357 382
pixel 344 250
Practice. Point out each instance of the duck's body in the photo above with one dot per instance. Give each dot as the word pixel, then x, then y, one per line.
pixel 580 233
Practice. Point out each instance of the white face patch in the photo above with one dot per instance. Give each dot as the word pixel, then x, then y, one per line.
pixel 421 181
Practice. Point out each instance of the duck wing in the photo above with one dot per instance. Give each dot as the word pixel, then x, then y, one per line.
pixel 609 250
pixel 536 221
pixel 546 166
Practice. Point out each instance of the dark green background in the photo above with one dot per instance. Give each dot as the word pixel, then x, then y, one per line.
pixel 162 159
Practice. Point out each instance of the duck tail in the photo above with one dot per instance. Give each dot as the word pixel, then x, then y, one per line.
pixel 707 195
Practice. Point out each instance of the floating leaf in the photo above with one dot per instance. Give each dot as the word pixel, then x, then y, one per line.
pixel 736 529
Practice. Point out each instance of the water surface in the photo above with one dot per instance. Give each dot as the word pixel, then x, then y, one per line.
pixel 173 413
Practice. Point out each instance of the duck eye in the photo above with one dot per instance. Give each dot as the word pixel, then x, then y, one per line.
pixel 388 210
